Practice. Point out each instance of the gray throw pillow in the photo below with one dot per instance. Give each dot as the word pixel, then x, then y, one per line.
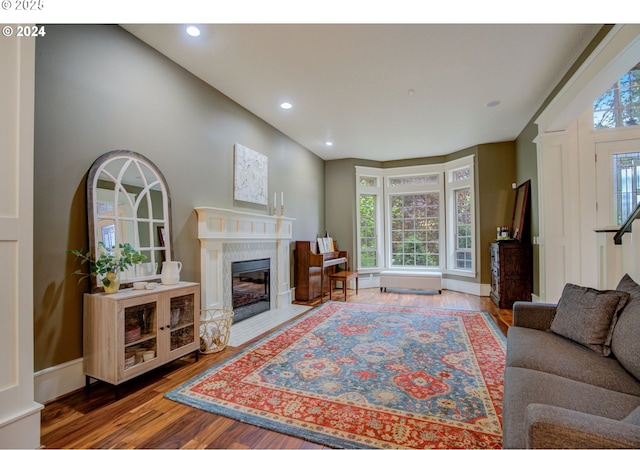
pixel 587 316
pixel 625 342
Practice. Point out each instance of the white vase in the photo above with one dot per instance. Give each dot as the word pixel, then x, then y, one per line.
pixel 170 272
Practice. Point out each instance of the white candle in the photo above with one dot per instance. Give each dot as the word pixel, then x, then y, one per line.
pixel 281 198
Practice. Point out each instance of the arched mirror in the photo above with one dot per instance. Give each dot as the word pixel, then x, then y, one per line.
pixel 128 202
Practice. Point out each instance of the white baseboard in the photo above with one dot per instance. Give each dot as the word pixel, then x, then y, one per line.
pixel 56 381
pixel 22 430
pixel 466 287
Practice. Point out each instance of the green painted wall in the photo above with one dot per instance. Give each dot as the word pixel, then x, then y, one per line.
pixel 98 88
pixel 526 150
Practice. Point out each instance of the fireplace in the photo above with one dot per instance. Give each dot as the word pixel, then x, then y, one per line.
pixel 250 287
pixel 227 236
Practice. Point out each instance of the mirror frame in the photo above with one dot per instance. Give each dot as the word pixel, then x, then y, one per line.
pixel 133 159
pixel 519 218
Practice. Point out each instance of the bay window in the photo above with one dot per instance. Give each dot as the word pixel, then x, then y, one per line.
pixel 419 217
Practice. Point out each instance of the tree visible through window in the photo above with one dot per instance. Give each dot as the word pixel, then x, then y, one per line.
pixel 415 230
pixel 464 242
pixel 620 105
pixel 368 245
pixel 407 218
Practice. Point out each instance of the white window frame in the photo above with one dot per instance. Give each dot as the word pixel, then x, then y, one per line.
pixel 432 169
pixel 451 187
pixel 378 191
pixel 446 186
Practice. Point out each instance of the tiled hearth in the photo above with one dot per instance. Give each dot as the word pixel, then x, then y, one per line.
pixel 226 236
pixel 255 326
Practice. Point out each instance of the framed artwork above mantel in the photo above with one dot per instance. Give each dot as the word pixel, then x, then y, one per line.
pixel 250 177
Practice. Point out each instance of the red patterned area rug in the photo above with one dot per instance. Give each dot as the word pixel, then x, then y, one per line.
pixel 352 375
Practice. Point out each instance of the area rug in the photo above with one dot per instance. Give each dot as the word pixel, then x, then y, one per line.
pixel 352 375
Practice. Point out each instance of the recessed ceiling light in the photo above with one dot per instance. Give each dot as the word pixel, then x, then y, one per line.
pixel 493 103
pixel 193 31
pixel 328 143
pixel 286 105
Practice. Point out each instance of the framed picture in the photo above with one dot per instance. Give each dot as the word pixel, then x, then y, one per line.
pixel 519 219
pixel 250 177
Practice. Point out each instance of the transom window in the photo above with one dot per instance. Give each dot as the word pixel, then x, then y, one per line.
pixel 414 180
pixel 620 105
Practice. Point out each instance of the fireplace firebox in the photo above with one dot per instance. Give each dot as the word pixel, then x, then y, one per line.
pixel 250 287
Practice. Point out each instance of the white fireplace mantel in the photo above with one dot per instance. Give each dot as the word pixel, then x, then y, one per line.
pixel 219 230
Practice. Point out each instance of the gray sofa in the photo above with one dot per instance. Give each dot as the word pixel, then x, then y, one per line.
pixel 573 369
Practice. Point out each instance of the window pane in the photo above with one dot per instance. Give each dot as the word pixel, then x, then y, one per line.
pixel 463 229
pixel 626 185
pixel 461 174
pixel 414 180
pixel 620 105
pixel 368 181
pixel 368 253
pixel 415 233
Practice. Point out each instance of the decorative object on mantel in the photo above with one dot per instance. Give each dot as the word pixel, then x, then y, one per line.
pixel 250 178
pixel 282 203
pixel 275 204
pixel 170 272
pixel 108 263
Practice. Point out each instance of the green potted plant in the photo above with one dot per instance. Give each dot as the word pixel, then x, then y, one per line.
pixel 108 263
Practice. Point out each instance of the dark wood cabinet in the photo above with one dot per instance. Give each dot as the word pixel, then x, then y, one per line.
pixel 511 272
pixel 312 269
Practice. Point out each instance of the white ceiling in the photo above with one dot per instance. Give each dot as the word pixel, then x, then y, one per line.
pixel 351 84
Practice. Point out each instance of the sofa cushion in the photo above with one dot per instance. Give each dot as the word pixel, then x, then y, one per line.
pixel 551 353
pixel 625 341
pixel 525 386
pixel 634 417
pixel 587 316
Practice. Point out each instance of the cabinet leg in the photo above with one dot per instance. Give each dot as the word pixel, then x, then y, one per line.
pixel 197 355
pixel 87 383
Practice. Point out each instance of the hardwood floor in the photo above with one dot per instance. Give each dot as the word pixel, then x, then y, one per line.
pixel 143 418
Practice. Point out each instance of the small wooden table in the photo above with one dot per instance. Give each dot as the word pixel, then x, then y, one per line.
pixel 343 276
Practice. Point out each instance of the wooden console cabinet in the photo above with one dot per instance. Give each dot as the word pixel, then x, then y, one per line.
pixel 312 269
pixel 119 328
pixel 511 272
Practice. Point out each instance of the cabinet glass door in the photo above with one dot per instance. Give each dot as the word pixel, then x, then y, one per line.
pixel 140 334
pixel 182 323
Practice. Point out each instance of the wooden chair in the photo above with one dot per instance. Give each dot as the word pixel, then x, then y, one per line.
pixel 344 276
